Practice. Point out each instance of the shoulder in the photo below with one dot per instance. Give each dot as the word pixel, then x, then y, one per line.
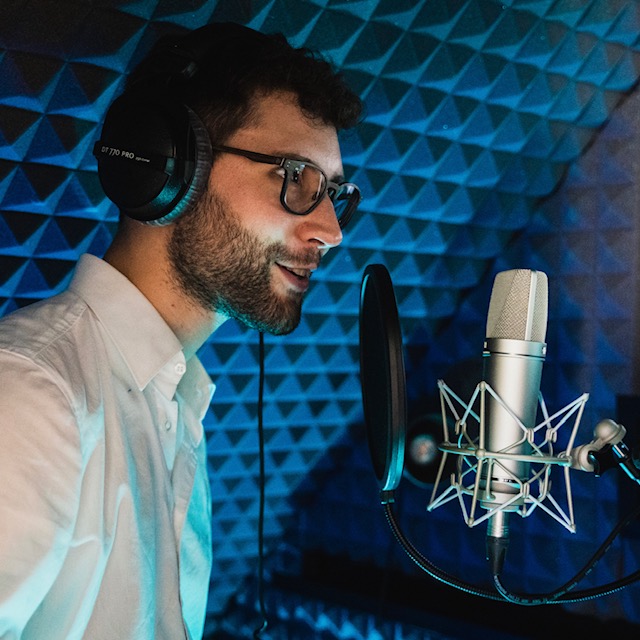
pixel 38 409
pixel 31 330
pixel 47 345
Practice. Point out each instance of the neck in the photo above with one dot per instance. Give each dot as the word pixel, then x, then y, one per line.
pixel 139 252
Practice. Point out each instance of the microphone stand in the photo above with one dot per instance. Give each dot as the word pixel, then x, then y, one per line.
pixel 606 451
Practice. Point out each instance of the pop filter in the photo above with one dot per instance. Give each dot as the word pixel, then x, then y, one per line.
pixel 382 376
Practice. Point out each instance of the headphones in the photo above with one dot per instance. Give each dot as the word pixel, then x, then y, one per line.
pixel 154 154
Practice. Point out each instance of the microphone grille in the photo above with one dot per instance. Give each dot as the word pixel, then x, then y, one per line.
pixel 518 306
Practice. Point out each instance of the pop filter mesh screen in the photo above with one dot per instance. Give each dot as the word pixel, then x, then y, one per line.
pixel 382 375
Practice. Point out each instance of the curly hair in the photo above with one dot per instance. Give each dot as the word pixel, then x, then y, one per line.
pixel 219 69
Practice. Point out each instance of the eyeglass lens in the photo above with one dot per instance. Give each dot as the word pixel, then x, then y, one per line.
pixel 305 184
pixel 345 198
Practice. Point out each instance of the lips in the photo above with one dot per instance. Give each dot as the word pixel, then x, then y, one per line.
pixel 296 277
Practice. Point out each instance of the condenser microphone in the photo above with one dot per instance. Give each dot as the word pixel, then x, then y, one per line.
pixel 493 468
pixel 514 352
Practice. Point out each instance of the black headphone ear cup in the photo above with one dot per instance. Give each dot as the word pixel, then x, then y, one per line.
pixel 154 159
pixel 197 185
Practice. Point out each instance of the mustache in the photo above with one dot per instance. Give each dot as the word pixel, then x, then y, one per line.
pixel 279 253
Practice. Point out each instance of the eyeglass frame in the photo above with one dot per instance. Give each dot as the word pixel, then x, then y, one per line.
pixel 292 164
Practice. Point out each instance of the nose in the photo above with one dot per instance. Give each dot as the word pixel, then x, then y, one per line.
pixel 321 226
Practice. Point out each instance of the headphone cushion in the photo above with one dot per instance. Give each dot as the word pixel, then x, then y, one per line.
pixel 199 181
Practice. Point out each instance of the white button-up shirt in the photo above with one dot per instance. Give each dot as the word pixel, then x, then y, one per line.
pixel 104 494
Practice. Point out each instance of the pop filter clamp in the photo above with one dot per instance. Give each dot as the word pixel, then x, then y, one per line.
pixel 383 384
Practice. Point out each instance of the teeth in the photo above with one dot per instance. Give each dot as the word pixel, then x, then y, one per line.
pixel 301 273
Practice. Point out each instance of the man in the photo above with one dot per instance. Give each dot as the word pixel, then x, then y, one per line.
pixel 104 496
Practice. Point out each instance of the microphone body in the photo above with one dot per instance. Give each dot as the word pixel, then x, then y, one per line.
pixel 513 369
pixel 513 356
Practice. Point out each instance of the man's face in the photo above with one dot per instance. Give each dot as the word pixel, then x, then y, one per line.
pixel 239 252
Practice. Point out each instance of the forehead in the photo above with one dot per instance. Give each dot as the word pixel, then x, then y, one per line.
pixel 278 126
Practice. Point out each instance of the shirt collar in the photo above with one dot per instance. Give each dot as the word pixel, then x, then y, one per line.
pixel 190 380
pixel 145 341
pixel 148 346
pixel 196 387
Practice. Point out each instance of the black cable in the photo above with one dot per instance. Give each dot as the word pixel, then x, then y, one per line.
pixel 562 595
pixel 559 596
pixel 258 631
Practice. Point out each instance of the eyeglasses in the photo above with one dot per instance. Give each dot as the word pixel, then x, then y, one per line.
pixel 305 184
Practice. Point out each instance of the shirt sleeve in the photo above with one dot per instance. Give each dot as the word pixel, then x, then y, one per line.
pixel 40 469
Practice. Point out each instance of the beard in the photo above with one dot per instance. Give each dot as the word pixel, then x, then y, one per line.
pixel 223 267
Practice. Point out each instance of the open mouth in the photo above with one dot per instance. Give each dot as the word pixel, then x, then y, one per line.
pixel 300 273
pixel 297 278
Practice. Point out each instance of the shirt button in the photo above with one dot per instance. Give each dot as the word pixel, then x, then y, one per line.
pixel 167 425
pixel 180 368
